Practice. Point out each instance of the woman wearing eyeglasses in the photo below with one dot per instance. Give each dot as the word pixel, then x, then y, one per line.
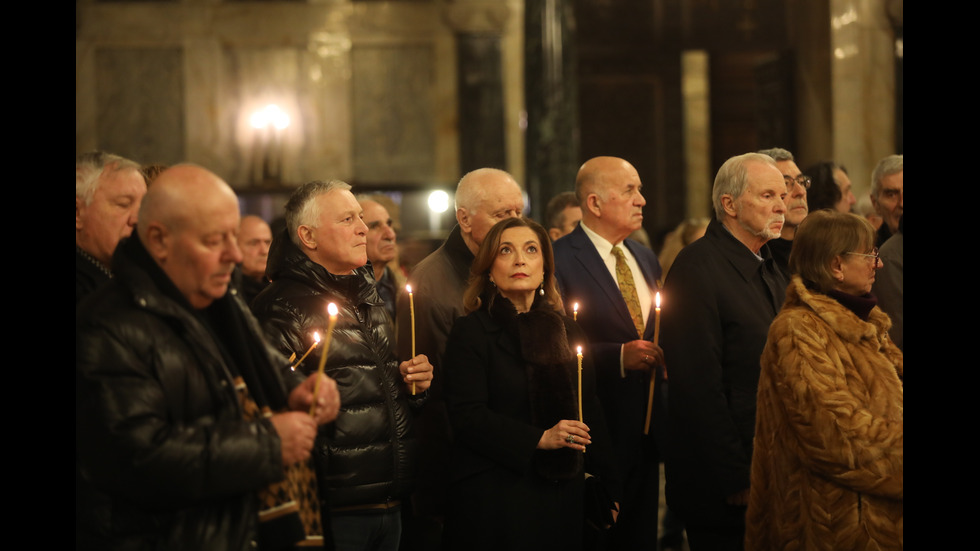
pixel 827 469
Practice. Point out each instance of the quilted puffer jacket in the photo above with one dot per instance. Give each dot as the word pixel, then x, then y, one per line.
pixel 367 456
pixel 164 457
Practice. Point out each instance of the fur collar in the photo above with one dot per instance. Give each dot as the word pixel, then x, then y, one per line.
pixel 848 326
pixel 551 375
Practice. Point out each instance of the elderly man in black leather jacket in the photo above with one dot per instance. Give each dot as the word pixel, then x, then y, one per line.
pixel 366 461
pixel 169 454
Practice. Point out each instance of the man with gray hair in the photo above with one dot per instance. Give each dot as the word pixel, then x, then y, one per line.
pixel 366 462
pixel 796 205
pixel 484 197
pixel 108 191
pixel 887 194
pixel 721 294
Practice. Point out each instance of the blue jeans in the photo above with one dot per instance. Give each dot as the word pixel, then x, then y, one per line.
pixel 367 532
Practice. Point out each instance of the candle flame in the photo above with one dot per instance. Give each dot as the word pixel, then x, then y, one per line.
pixel 332 309
pixel 409 289
pixel 316 337
pixel 575 307
pixel 579 350
pixel 658 299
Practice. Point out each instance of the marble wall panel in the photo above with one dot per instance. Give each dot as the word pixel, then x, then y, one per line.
pixel 393 130
pixel 139 103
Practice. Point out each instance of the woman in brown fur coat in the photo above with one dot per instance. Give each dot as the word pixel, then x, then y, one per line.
pixel 827 470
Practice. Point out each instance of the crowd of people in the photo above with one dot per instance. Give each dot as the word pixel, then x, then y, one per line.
pixel 243 383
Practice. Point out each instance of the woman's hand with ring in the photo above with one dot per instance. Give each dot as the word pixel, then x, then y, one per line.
pixel 566 434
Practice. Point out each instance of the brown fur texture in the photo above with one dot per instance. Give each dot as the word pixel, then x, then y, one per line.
pixel 827 470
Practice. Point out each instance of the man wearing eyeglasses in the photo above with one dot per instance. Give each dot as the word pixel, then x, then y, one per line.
pixel 796 207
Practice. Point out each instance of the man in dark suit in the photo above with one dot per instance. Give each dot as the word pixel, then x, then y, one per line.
pixel 613 280
pixel 724 290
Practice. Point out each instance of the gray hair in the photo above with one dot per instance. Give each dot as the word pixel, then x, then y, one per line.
pixel 732 178
pixel 302 210
pixel 892 164
pixel 90 166
pixel 777 154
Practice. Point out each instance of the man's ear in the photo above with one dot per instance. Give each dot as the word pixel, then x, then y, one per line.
pixel 463 218
pixel 157 242
pixel 79 207
pixel 306 237
pixel 554 233
pixel 728 204
pixel 594 204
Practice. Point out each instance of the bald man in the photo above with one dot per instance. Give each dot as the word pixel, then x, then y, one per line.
pixel 483 197
pixel 171 370
pixel 254 240
pixel 598 267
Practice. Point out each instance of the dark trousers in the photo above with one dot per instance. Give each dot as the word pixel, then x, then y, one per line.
pixel 636 528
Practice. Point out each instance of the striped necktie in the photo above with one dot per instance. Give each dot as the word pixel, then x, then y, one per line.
pixel 624 277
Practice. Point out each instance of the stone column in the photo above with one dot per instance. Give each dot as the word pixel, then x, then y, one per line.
pixel 478 25
pixel 550 84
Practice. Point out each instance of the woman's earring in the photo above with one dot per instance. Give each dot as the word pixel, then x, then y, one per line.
pixel 541 289
pixel 492 284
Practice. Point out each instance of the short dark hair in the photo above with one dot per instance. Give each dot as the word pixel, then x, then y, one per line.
pixel 554 214
pixel 824 192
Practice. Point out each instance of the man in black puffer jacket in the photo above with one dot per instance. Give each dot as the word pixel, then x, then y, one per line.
pixel 168 453
pixel 366 460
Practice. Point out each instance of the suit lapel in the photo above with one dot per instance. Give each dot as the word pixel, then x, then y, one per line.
pixel 592 263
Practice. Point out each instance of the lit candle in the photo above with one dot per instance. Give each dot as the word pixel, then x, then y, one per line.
pixel 653 372
pixel 580 418
pixel 411 311
pixel 575 311
pixel 316 341
pixel 656 320
pixel 332 310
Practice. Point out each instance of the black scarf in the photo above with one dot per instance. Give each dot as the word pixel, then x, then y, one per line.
pixel 241 350
pixel 551 374
pixel 860 305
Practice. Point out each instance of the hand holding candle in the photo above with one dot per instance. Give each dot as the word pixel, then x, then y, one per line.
pixel 332 310
pixel 418 371
pixel 653 372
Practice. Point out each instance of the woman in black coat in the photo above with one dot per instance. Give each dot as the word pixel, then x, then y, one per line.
pixel 512 388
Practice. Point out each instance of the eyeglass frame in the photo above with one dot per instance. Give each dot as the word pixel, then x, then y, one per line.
pixel 802 180
pixel 874 254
